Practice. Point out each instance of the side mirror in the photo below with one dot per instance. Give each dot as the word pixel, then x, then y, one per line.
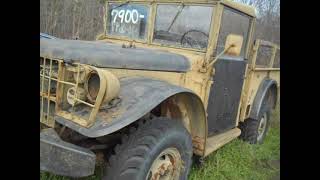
pixel 233 45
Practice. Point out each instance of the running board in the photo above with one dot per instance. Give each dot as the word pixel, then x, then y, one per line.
pixel 215 142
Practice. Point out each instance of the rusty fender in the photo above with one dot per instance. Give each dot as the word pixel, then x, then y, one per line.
pixel 265 86
pixel 138 96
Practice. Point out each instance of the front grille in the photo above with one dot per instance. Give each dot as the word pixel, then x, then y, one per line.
pixel 56 78
pixel 48 85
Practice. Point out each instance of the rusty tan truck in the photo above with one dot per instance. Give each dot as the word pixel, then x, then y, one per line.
pixel 167 81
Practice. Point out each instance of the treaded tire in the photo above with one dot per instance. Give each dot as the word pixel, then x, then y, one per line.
pixel 249 128
pixel 134 157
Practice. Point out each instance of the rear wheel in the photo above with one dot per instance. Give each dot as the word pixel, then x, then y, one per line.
pixel 262 127
pixel 255 130
pixel 159 149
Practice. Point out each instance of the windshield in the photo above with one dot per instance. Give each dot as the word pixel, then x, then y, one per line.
pixel 128 20
pixel 183 26
pixel 178 25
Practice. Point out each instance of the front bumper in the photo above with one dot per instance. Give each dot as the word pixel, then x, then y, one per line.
pixel 62 158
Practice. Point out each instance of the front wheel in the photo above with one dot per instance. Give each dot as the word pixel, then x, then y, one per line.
pixel 159 149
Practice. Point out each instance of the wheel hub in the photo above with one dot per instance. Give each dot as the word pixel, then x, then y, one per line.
pixel 166 166
pixel 262 126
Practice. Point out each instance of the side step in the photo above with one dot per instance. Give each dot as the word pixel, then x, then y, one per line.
pixel 215 142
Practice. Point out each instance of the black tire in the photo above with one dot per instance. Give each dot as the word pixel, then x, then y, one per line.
pixel 134 157
pixel 250 128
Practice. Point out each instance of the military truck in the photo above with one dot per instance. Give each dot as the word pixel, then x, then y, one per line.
pixel 167 81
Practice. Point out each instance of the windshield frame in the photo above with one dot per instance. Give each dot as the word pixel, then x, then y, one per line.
pixel 213 32
pixel 151 23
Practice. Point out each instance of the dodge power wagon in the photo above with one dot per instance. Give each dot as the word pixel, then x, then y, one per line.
pixel 167 81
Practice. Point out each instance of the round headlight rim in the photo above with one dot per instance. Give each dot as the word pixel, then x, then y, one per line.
pixel 86 85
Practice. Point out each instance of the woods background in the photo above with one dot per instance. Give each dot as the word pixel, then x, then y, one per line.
pixel 83 19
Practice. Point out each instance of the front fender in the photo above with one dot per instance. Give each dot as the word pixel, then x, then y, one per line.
pixel 138 97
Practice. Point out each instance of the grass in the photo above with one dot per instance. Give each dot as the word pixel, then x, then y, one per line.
pixel 235 161
pixel 239 160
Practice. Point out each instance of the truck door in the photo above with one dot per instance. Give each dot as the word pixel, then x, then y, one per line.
pixel 225 92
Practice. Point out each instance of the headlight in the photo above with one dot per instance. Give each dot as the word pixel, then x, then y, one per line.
pixel 93 86
pixel 99 80
pixel 97 84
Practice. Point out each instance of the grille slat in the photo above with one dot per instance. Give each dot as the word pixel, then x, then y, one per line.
pixel 42 89
pixel 49 89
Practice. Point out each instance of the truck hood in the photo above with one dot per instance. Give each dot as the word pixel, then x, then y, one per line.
pixel 108 55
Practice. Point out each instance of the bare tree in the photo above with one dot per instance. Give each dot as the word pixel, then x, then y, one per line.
pixel 268 19
pixel 83 19
pixel 71 19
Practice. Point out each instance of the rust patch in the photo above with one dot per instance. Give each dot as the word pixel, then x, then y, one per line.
pixel 198 144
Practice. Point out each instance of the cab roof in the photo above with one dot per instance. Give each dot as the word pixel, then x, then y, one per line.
pixel 249 10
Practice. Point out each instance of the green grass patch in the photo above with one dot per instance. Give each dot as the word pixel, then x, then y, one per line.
pixel 239 160
pixel 235 161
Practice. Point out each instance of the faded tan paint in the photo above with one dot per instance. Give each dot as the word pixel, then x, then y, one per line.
pixel 197 79
pixel 255 76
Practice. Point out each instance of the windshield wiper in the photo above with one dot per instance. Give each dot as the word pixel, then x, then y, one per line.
pixel 174 19
pixel 119 5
